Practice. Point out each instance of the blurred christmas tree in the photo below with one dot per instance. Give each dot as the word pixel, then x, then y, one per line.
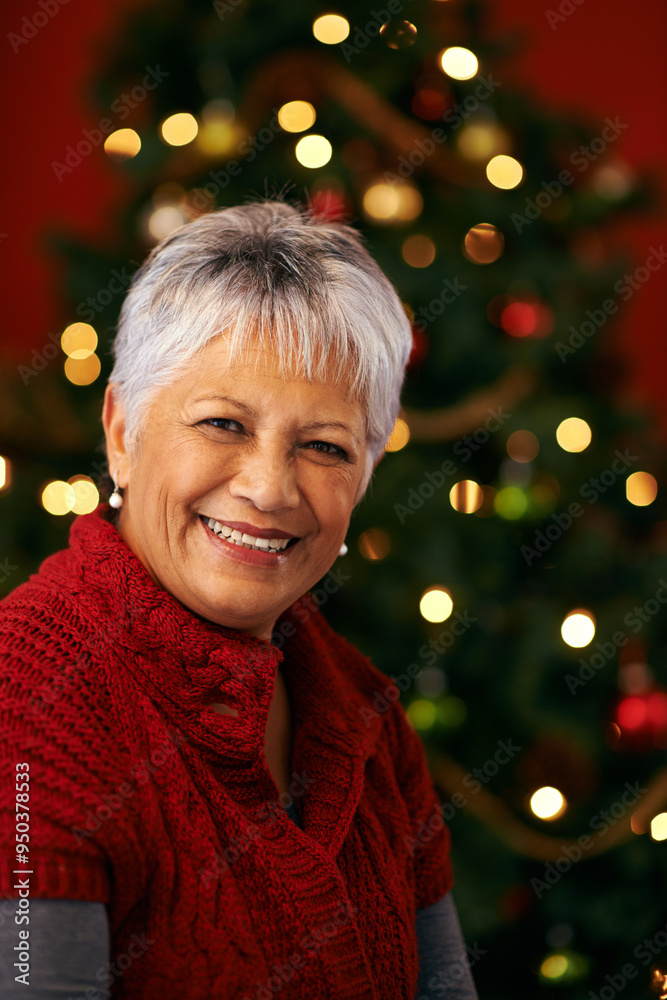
pixel 509 566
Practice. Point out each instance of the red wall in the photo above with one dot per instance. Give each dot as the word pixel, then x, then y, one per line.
pixel 603 59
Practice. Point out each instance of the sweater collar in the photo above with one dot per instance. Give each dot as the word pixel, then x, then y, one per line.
pixel 191 662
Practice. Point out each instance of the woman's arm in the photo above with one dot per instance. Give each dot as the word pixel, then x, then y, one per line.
pixel 444 972
pixel 68 947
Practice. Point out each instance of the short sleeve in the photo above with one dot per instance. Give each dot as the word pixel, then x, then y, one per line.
pixel 428 841
pixel 53 779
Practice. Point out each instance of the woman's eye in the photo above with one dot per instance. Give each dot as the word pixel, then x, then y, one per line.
pixel 326 448
pixel 214 421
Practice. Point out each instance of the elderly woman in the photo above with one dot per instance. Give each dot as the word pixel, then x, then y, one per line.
pixel 206 803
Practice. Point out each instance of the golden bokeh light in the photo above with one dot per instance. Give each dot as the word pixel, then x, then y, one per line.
pixel 79 340
pixel 554 966
pixel 164 221
pixel 504 171
pixel 483 243
pixel 547 803
pixel 392 202
pixel 86 493
pixel 641 488
pixel 522 446
pixel 399 437
pixel 296 116
pixel 418 251
pixel 5 473
pixel 574 434
pixel 659 826
pixel 436 604
pixel 481 140
pixel 313 151
pixel 578 628
pixel 466 496
pixel 374 544
pixel 459 63
pixel 82 371
pixel 58 497
pixel 123 144
pixel 331 29
pixel 179 129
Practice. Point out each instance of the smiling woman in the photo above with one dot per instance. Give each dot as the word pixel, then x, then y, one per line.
pixel 227 809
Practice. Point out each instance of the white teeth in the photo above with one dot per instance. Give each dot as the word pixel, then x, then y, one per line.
pixel 245 540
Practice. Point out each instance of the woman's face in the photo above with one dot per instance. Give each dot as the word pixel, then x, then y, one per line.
pixel 264 456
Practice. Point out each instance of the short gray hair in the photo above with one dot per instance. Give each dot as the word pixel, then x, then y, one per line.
pixel 303 283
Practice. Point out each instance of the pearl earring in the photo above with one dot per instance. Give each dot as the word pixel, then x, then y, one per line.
pixel 116 498
pixel 343 550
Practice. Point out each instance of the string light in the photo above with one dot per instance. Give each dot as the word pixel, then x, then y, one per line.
pixel 459 63
pixel 399 436
pixel 418 251
pixel 313 151
pixel 641 488
pixel 79 340
pixel 547 803
pixel 522 446
pixel 466 496
pixel 330 29
pixel 179 129
pixel 578 628
pixel 82 371
pixel 483 243
pixel 504 171
pixel 58 497
pixel 296 116
pixel 5 473
pixel 659 826
pixel 374 544
pixel 123 144
pixel 86 494
pixel 436 604
pixel 574 434
pixel 392 202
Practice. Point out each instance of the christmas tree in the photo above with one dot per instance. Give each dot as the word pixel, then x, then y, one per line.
pixel 508 568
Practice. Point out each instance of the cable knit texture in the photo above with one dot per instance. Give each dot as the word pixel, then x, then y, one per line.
pixel 146 798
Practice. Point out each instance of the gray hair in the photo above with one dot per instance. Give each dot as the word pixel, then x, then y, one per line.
pixel 302 283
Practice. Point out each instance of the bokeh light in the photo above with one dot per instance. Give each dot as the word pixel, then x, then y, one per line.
pixel 399 437
pixel 422 713
pixel 86 493
pixel 58 497
pixel 527 317
pixel 179 129
pixel 374 544
pixel 79 340
pixel 5 473
pixel 296 116
pixel 573 434
pixel 466 496
pixel 511 503
pixel 504 171
pixel 165 220
pixel 217 134
pixel 547 803
pixel 578 628
pixel 483 243
pixel 522 446
pixel 481 140
pixel 330 29
pixel 418 251
pixel 659 826
pixel 82 371
pixel 459 63
pixel 554 966
pixel 123 144
pixel 392 202
pixel 436 604
pixel 641 488
pixel 313 151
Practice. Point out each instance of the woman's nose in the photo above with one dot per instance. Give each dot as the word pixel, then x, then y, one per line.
pixel 267 478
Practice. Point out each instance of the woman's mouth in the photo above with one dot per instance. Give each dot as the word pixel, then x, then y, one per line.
pixel 244 540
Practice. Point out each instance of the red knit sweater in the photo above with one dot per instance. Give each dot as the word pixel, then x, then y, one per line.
pixel 146 798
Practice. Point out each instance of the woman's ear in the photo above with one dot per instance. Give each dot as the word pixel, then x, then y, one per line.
pixel 113 421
